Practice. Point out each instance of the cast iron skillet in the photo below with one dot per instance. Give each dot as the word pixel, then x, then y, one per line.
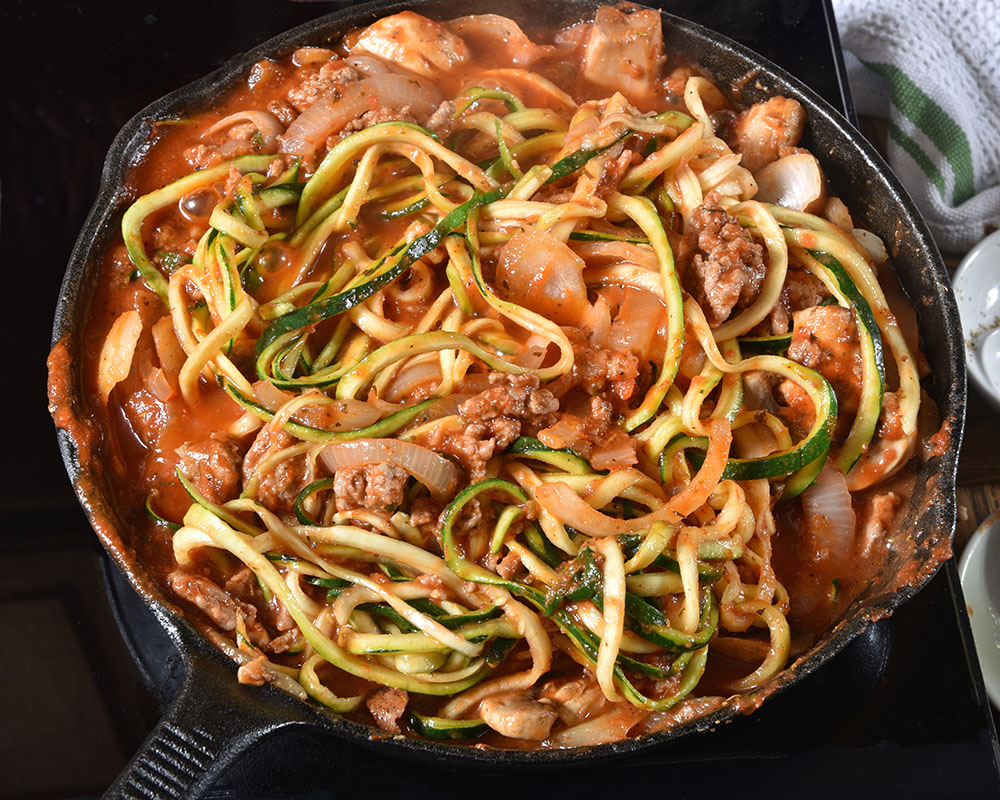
pixel 213 718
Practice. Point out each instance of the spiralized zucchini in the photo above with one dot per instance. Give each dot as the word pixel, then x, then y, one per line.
pixel 545 561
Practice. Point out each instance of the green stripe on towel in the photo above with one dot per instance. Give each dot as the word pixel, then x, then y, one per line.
pixel 946 134
pixel 917 153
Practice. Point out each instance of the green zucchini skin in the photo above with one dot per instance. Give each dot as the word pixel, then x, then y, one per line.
pixel 872 350
pixel 374 279
pixel 765 345
pixel 440 729
pixel 563 459
pixel 384 427
pixel 284 357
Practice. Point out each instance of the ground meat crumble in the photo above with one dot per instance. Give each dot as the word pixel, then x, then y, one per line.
pixel 213 466
pixel 386 705
pixel 495 418
pixel 723 265
pixel 373 486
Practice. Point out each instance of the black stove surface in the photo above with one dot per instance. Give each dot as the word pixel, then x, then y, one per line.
pixel 902 708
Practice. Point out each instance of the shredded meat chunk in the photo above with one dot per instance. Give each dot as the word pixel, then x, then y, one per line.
pixel 285 641
pixel 146 416
pixel 176 236
pixel 726 266
pixel 509 565
pixel 277 615
pixel 424 516
pixel 607 173
pixel 223 609
pixel 609 371
pixel 825 338
pixel 468 447
pixel 282 111
pixel 505 566
pixel 213 466
pixel 495 418
pixel 802 290
pixel 437 587
pixel 598 370
pixel 326 80
pixel 441 121
pixel 594 436
pixel 514 397
pixel 386 705
pixel 878 513
pixel 243 585
pixel 281 485
pixel 374 486
pixel 762 131
pixel 373 117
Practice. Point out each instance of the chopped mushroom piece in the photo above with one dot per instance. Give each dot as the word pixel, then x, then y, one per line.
pixel 414 42
pixel 825 338
pixel 762 130
pixel 518 716
pixel 496 34
pixel 625 52
pixel 575 699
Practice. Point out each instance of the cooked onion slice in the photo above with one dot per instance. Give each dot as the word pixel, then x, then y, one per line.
pixel 331 113
pixel 168 349
pixel 829 515
pixel 566 505
pixel 265 122
pixel 154 380
pixel 872 244
pixel 637 323
pixel 409 378
pixel 617 452
pixel 434 471
pixel 795 181
pixel 496 34
pixel 539 272
pixel 321 412
pixel 612 726
pixel 116 355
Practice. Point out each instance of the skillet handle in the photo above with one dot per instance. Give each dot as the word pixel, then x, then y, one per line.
pixel 210 723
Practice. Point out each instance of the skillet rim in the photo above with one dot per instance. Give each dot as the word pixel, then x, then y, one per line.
pixel 132 143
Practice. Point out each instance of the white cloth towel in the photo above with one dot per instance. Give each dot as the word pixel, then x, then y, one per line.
pixel 932 68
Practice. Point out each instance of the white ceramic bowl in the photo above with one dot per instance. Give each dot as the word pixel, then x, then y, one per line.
pixel 977 289
pixel 980 574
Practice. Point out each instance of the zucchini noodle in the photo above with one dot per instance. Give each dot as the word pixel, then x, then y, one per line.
pixel 508 406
